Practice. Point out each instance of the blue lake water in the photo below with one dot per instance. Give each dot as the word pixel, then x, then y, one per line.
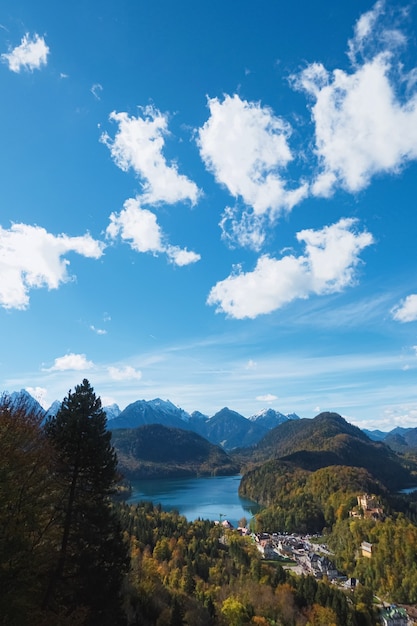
pixel 213 498
pixel 408 490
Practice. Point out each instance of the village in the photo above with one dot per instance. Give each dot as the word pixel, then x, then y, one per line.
pixel 304 555
pixel 308 555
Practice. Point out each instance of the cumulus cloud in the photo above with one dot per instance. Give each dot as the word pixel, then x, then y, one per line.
pixel 30 55
pixel 124 373
pixel 269 397
pixel 362 125
pixel 327 266
pixel 139 227
pixel 30 257
pixel 39 393
pixel 406 311
pixel 246 147
pixel 138 145
pixel 182 256
pixel 71 361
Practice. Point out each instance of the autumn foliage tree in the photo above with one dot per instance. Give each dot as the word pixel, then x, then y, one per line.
pixel 26 517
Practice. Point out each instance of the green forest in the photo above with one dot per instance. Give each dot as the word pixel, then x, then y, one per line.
pixel 74 553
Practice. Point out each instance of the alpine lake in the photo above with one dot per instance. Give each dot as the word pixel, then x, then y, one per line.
pixel 214 498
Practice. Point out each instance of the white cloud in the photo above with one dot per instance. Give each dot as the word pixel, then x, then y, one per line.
pixel 246 147
pixel 269 397
pixel 181 256
pixel 71 362
pixel 331 256
pixel 30 257
pixel 138 144
pixel 375 30
pixel 244 228
pixel 403 415
pixel 364 29
pixel 98 331
pixel 96 90
pixel 30 55
pixel 139 227
pixel 406 311
pixel 362 127
pixel 39 393
pixel 124 373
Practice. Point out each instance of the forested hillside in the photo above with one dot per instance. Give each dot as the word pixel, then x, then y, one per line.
pixel 199 574
pixel 326 440
pixel 299 500
pixel 158 451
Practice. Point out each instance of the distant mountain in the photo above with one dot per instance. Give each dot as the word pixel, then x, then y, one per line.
pixel 197 416
pixel 155 411
pixel 293 416
pixel 226 428
pixel 269 418
pixel 53 409
pixel 329 439
pixel 402 440
pixel 231 430
pixel 23 399
pixel 375 435
pixel 112 411
pixel 398 439
pixel 399 430
pixel 156 451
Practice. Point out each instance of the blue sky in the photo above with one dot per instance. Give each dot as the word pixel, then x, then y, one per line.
pixel 211 203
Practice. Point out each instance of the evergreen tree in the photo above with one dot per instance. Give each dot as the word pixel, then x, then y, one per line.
pixel 91 557
pixel 176 614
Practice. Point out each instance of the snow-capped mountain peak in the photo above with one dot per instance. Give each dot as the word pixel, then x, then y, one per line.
pixel 112 411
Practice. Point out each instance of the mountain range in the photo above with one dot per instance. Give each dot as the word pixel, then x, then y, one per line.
pixel 226 428
pixel 150 435
pixel 399 439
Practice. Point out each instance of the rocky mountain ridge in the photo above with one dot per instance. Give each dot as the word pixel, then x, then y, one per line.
pixel 227 428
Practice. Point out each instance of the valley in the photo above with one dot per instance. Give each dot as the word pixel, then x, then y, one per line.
pixel 301 477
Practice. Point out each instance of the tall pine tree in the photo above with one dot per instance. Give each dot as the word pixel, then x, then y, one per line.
pixel 91 558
